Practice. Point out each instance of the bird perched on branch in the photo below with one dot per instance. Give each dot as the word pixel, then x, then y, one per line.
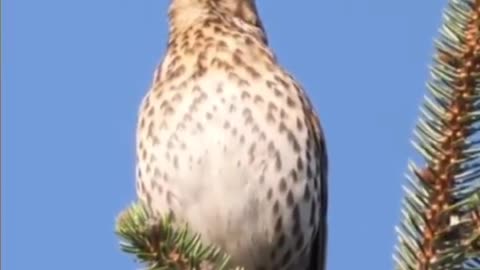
pixel 229 143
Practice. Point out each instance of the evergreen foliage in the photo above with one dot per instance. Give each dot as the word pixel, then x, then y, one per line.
pixel 441 223
pixel 160 246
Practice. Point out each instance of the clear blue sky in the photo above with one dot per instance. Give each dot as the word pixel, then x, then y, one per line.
pixel 73 74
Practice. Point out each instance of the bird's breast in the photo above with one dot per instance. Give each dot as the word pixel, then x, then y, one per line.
pixel 218 151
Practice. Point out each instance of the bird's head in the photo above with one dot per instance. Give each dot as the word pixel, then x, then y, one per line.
pixel 187 11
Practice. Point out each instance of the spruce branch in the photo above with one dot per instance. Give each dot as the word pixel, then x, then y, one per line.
pixel 440 226
pixel 159 245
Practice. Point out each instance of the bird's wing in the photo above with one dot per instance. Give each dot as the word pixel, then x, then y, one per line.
pixel 319 246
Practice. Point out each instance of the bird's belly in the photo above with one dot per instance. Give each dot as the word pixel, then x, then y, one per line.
pixel 215 164
pixel 205 168
pixel 217 181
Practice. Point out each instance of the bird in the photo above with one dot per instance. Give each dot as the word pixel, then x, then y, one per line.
pixel 229 143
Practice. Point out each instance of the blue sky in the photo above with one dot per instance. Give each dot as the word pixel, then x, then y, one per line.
pixel 73 74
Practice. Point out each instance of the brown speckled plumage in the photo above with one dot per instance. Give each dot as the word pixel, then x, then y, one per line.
pixel 228 141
